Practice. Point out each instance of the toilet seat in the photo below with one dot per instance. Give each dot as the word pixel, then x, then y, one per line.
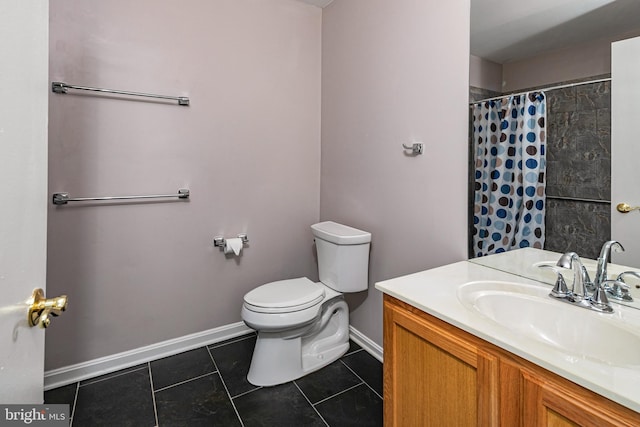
pixel 285 296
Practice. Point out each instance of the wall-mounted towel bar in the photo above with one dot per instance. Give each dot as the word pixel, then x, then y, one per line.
pixel 63 198
pixel 60 87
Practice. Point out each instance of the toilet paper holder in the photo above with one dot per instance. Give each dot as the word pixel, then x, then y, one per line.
pixel 218 241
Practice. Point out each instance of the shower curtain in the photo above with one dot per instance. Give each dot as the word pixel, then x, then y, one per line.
pixel 510 164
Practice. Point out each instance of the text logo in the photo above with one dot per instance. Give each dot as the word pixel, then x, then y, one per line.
pixel 34 415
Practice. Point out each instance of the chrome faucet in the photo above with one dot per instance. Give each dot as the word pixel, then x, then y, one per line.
pixel 616 289
pixel 580 276
pixel 603 260
pixel 585 293
pixel 619 289
pixel 579 295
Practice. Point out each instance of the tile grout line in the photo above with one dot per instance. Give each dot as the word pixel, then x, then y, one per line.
pixel 225 387
pixel 247 392
pixel 367 384
pixel 308 401
pixel 75 400
pixel 339 393
pixel 153 393
pixel 353 352
pixel 240 338
pixel 95 381
pixel 185 381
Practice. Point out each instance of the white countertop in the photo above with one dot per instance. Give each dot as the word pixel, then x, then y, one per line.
pixel 435 292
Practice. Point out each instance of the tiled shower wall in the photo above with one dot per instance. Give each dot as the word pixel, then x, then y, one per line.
pixel 578 167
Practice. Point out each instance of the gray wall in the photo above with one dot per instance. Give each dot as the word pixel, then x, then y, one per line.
pixel 248 147
pixel 385 82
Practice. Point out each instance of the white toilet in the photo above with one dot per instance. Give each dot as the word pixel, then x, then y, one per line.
pixel 303 326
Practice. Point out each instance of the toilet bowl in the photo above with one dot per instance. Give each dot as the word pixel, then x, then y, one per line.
pixel 302 325
pixel 288 344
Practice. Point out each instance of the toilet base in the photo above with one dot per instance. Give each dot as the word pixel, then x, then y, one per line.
pixel 280 357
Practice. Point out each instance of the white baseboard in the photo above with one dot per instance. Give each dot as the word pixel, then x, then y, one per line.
pixel 104 365
pixel 366 343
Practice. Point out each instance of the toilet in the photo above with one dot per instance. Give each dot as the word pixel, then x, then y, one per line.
pixel 302 325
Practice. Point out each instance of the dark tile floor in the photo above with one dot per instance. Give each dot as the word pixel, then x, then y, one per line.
pixel 208 387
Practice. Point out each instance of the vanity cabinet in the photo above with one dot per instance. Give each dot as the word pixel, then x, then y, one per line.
pixel 435 374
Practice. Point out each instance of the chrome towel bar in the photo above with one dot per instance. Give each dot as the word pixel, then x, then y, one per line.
pixel 63 198
pixel 60 87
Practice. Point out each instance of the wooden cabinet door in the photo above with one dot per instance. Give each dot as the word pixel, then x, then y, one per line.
pixel 438 375
pixel 562 404
pixel 432 377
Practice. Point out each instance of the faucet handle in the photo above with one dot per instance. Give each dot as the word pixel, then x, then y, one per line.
pixel 560 289
pixel 599 300
pixel 618 289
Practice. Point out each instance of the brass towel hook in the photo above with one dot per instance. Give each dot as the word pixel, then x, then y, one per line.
pixel 625 208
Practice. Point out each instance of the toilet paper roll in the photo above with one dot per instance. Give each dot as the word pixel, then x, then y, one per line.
pixel 233 246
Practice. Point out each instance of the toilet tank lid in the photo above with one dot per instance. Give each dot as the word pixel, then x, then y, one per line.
pixel 340 234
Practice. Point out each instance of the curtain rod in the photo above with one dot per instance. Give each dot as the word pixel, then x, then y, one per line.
pixel 608 79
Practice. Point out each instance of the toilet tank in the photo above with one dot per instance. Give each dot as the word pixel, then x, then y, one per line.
pixel 343 256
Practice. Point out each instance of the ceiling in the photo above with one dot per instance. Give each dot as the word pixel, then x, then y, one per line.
pixel 509 30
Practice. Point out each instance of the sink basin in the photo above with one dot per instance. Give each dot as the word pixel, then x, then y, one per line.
pixel 528 311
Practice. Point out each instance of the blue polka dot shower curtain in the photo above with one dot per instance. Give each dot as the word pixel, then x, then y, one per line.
pixel 510 164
